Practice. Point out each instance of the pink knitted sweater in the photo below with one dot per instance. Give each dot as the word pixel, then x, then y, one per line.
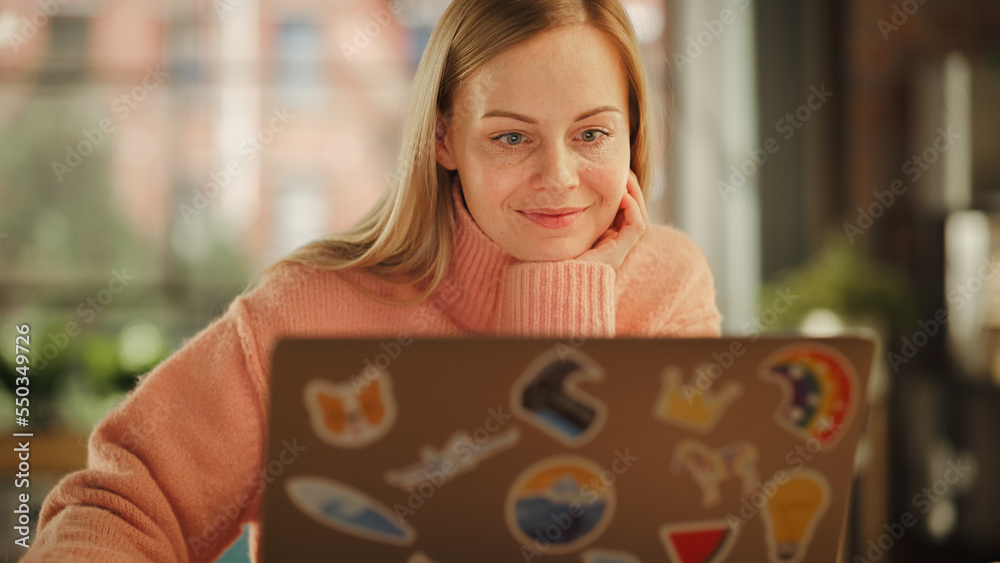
pixel 176 469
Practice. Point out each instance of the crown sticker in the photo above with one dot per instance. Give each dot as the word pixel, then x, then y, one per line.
pixel 691 407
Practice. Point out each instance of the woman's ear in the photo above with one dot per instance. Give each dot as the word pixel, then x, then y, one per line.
pixel 442 145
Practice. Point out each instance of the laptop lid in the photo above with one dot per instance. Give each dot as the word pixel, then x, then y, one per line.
pixel 591 450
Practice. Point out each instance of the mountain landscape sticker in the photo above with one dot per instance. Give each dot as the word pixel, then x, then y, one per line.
pixel 559 505
pixel 348 510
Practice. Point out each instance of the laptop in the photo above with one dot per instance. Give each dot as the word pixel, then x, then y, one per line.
pixel 588 450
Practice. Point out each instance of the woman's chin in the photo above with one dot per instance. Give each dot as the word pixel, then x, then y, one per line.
pixel 550 252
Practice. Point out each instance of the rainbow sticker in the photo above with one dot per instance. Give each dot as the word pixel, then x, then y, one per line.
pixel 820 391
pixel 698 542
pixel 559 505
pixel 348 510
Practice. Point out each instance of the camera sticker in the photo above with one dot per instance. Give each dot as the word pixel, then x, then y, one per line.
pixel 689 406
pixel 820 391
pixel 698 542
pixel 558 505
pixel 546 397
pixel 461 453
pixel 792 514
pixel 709 467
pixel 351 414
pixel 348 510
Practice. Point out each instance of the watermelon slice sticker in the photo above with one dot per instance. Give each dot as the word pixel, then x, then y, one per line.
pixel 698 542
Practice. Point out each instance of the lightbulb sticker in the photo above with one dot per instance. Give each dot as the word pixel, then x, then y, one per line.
pixel 698 542
pixel 793 513
pixel 820 391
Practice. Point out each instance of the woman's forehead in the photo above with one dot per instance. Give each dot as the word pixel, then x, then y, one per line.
pixel 563 71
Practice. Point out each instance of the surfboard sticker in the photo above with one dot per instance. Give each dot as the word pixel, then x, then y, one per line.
pixel 546 396
pixel 559 505
pixel 348 510
pixel 820 391
pixel 698 542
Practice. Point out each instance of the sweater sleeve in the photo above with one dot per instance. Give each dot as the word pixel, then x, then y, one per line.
pixel 171 470
pixel 557 299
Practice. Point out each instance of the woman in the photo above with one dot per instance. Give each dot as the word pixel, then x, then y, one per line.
pixel 518 211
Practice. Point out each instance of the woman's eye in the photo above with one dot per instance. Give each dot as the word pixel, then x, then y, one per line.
pixel 592 135
pixel 512 138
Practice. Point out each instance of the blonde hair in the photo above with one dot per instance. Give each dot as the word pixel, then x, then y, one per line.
pixel 406 238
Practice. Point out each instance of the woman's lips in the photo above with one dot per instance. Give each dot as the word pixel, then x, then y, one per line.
pixel 554 218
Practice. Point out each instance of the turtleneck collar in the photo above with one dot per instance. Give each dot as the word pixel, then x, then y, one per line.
pixel 470 291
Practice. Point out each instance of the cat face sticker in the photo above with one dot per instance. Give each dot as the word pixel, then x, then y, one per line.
pixel 546 397
pixel 351 414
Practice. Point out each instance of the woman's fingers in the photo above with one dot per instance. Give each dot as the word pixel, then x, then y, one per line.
pixel 632 187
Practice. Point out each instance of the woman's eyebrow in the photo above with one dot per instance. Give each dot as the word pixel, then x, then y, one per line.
pixel 526 119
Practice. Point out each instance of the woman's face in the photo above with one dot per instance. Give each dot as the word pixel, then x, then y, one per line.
pixel 540 138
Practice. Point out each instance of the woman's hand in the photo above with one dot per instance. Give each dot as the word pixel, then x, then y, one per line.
pixel 625 231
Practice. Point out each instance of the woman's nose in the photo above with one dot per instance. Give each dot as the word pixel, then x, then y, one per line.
pixel 557 168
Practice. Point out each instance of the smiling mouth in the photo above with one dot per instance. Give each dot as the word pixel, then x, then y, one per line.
pixel 554 218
